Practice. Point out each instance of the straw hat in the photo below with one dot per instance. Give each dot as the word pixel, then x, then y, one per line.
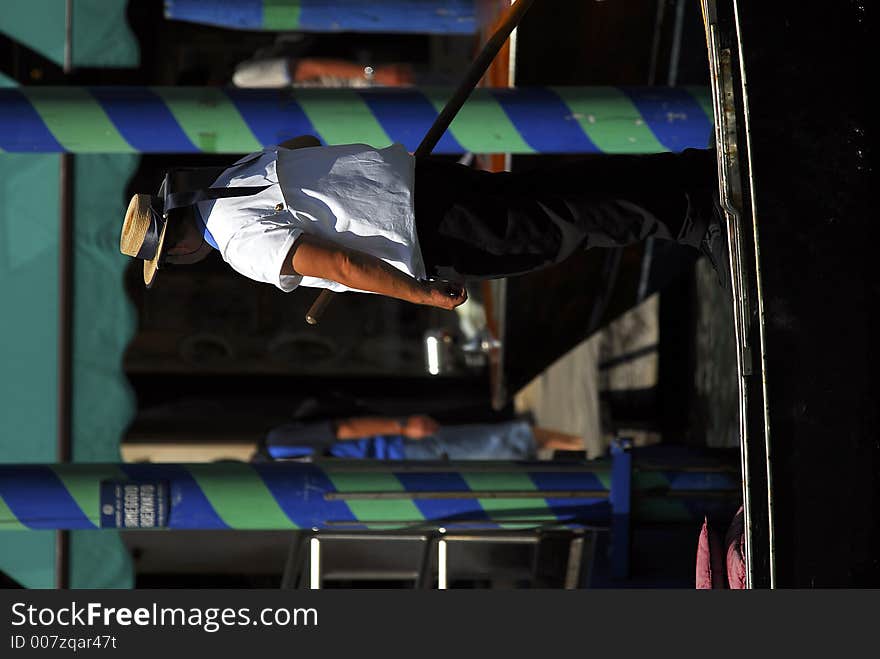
pixel 143 235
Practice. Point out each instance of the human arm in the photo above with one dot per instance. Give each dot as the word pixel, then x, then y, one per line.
pixel 414 427
pixel 315 68
pixel 312 257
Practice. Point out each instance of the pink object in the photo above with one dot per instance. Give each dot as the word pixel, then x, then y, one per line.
pixel 710 559
pixel 735 542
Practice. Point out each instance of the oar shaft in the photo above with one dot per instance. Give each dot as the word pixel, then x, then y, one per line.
pixel 511 19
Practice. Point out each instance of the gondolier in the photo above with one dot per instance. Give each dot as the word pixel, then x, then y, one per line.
pixel 381 220
pixel 354 217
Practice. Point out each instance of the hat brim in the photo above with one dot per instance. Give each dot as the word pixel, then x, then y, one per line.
pixel 151 267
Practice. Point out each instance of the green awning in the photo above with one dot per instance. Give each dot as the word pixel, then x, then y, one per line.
pixel 103 318
pixel 101 35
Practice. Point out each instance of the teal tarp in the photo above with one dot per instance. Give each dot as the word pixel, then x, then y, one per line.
pixel 29 294
pixel 103 319
pixel 103 325
pixel 26 556
pixel 101 35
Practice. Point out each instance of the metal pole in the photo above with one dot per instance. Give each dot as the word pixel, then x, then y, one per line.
pixel 292 495
pixel 401 16
pixel 65 315
pixel 511 19
pixel 65 349
pixel 214 120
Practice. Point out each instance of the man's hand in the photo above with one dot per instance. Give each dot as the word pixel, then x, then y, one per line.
pixel 313 257
pixel 419 427
pixel 445 294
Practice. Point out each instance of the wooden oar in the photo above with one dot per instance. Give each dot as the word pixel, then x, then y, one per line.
pixel 512 16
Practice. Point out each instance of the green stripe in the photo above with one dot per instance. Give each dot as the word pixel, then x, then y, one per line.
pixel 239 496
pixel 481 125
pixel 281 14
pixel 610 120
pixel 399 510
pixel 83 483
pixel 497 509
pixel 8 520
pixel 342 118
pixel 77 120
pixel 656 508
pixel 703 97
pixel 210 120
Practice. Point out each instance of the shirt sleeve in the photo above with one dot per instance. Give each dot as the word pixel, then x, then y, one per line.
pixel 259 249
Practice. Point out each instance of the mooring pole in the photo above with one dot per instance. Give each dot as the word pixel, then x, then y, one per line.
pixel 236 121
pixel 401 16
pixel 335 494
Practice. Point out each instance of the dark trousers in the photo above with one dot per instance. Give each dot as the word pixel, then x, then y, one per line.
pixel 480 225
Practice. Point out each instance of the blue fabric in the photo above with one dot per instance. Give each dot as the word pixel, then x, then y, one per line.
pixel 375 448
pixel 512 440
pixel 204 227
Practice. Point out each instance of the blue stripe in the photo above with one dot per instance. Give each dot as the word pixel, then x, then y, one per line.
pixel 238 14
pixel 543 120
pixel 621 492
pixel 406 116
pixel 569 509
pixel 21 128
pixel 271 117
pixel 547 481
pixel 442 509
pixel 128 107
pixel 39 500
pixel 283 451
pixel 674 116
pixel 683 480
pixel 301 493
pixel 580 511
pixel 190 508
pixel 411 16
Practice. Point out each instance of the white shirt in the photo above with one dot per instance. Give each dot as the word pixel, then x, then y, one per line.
pixel 352 195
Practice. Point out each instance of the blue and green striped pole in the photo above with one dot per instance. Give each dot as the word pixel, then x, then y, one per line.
pixel 216 120
pixel 403 16
pixel 346 495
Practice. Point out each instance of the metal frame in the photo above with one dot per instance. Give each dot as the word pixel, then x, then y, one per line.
pixel 303 568
pixel 732 138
